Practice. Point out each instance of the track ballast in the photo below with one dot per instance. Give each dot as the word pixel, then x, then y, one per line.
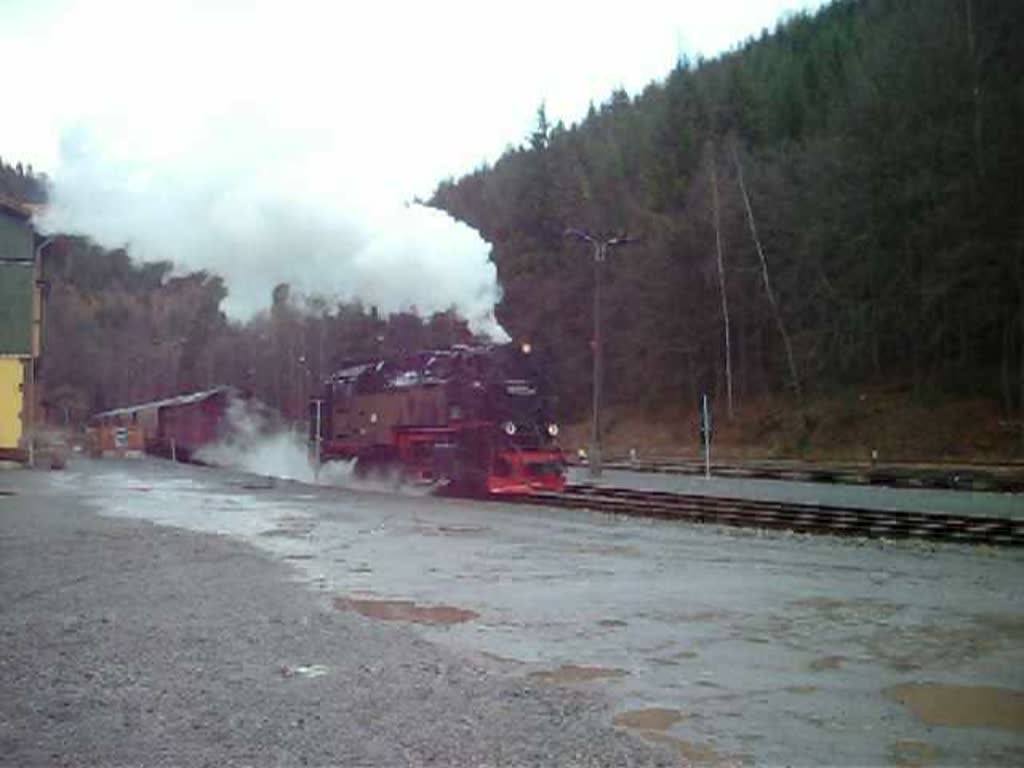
pixel 797 517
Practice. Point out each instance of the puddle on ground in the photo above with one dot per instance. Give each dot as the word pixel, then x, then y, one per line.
pixel 664 662
pixel 976 706
pixel 450 529
pixel 904 664
pixel 284 533
pixel 694 752
pixel 461 530
pixel 815 720
pixel 257 486
pixel 573 673
pixel 826 662
pixel 853 610
pixel 675 659
pixel 1010 625
pixel 932 645
pixel 650 719
pixel 818 603
pixel 686 655
pixel 604 549
pixel 405 610
pixel 502 659
pixel 703 616
pixel 912 754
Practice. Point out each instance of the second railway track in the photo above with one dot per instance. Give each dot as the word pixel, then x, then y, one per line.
pixel 1007 477
pixel 797 517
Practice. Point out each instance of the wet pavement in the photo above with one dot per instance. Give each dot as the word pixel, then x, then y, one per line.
pixel 732 646
pixel 969 503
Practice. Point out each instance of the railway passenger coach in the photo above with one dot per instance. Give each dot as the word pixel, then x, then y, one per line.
pixel 472 420
pixel 177 426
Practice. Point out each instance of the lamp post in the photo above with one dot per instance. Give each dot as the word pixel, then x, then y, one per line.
pixel 601 247
pixel 301 410
pixel 35 345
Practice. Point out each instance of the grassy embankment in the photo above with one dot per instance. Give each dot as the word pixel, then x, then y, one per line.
pixel 838 428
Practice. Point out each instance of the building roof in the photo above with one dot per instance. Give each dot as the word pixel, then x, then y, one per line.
pixel 14 207
pixel 191 397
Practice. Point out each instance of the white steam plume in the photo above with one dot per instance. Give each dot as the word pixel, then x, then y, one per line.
pixel 254 442
pixel 230 204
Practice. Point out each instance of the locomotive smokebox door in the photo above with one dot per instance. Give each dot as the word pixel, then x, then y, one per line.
pixel 442 461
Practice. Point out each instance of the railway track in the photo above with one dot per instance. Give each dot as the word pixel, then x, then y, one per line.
pixel 802 518
pixel 1006 477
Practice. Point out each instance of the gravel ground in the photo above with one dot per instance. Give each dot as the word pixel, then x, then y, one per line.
pixel 125 643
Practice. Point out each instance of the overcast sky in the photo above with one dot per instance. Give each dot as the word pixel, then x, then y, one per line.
pixel 353 108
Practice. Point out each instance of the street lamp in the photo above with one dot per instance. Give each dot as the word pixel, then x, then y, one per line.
pixel 601 247
pixel 303 388
pixel 36 336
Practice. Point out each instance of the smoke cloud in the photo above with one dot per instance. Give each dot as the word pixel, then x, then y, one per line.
pixel 231 204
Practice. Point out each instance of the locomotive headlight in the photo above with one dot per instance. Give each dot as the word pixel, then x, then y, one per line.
pixel 553 429
pixel 510 428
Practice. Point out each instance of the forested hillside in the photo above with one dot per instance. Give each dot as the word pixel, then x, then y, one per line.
pixel 874 152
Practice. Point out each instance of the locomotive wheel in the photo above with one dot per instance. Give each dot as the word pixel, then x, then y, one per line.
pixel 472 482
pixel 465 482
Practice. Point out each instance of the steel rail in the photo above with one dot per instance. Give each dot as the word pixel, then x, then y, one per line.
pixel 957 477
pixel 778 515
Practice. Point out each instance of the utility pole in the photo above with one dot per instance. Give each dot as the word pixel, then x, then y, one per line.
pixel 317 438
pixel 601 247
pixel 35 345
pixel 794 378
pixel 721 279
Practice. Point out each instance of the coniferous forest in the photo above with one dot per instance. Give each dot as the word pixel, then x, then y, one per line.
pixel 858 172
pixel 836 205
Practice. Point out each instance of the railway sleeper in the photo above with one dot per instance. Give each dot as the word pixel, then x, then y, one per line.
pixel 796 517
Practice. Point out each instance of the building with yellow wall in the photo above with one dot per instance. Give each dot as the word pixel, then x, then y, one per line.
pixel 20 326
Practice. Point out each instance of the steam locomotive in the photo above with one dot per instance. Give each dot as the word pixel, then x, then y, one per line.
pixel 470 420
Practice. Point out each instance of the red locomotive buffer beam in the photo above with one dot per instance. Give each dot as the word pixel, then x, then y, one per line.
pixel 519 472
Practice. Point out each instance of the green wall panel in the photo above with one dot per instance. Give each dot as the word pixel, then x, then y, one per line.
pixel 15 238
pixel 16 286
